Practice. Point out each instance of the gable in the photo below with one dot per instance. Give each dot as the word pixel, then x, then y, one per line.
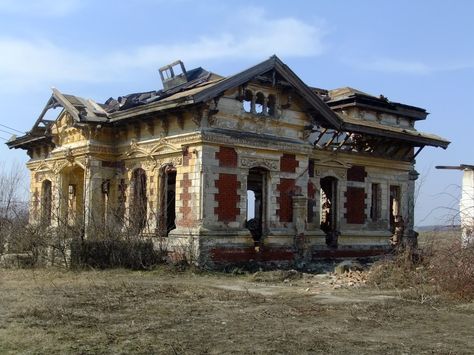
pixel 275 73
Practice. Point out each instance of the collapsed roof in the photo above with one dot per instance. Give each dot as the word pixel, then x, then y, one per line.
pixel 199 85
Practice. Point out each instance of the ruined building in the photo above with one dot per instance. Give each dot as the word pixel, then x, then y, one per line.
pixel 254 166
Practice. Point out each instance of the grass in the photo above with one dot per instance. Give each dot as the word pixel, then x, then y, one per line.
pixel 48 311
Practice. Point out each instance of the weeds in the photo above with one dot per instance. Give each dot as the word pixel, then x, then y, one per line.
pixel 445 269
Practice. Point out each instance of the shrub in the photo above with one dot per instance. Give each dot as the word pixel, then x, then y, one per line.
pixel 109 253
pixel 452 271
pixel 446 269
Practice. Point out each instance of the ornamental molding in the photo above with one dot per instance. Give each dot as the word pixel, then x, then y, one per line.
pixel 253 162
pixel 212 137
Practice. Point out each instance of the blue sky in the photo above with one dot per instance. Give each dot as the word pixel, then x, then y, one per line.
pixel 416 52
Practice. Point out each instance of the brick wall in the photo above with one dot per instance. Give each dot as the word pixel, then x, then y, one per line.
pixel 227 157
pixel 288 163
pixel 355 205
pixel 227 198
pixel 356 173
pixel 286 189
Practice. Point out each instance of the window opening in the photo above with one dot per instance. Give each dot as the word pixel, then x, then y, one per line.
pixel 375 210
pixel 138 208
pixel 247 102
pixel 271 105
pixel 46 202
pixel 394 205
pixel 259 103
pixel 168 200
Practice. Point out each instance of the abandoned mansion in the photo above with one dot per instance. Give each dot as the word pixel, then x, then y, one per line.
pixel 255 166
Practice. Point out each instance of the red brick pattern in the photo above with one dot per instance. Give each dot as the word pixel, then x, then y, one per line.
pixel 286 187
pixel 288 163
pixel 355 205
pixel 356 173
pixel 186 156
pixel 236 255
pixel 187 219
pixel 227 198
pixel 227 157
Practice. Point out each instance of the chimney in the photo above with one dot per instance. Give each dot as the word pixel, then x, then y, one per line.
pixel 173 75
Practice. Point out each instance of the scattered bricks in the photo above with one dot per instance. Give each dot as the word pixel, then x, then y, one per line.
pixel 286 187
pixel 355 205
pixel 227 157
pixel 288 163
pixel 356 173
pixel 227 198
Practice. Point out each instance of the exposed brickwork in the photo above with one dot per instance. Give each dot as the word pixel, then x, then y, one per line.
pixel 187 219
pixel 227 198
pixel 355 205
pixel 286 187
pixel 186 156
pixel 288 163
pixel 236 255
pixel 348 253
pixel 227 157
pixel 356 173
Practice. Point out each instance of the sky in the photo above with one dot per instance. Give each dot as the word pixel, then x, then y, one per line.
pixel 415 52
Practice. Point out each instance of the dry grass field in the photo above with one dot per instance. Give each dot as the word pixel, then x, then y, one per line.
pixel 49 311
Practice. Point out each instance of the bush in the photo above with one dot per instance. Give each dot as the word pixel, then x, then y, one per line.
pixel 446 269
pixel 452 271
pixel 110 253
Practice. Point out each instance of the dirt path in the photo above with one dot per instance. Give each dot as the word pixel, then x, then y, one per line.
pixel 113 312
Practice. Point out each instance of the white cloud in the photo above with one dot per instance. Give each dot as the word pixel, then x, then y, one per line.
pixel 27 64
pixel 31 64
pixel 47 8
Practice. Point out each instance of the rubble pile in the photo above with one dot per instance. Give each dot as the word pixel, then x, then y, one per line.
pixel 348 274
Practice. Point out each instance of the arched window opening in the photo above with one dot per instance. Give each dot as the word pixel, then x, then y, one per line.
pixel 46 202
pixel 168 200
pixel 329 209
pixel 138 207
pixel 259 103
pixel 247 102
pixel 271 109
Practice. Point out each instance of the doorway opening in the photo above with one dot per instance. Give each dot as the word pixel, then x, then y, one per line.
pixel 256 207
pixel 329 210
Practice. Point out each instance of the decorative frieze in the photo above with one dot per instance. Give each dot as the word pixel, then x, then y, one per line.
pixel 252 162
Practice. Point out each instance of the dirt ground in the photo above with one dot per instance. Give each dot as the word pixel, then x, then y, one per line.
pixel 48 311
